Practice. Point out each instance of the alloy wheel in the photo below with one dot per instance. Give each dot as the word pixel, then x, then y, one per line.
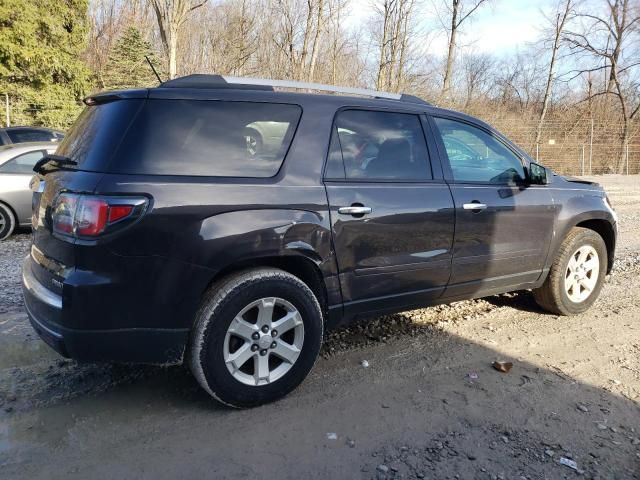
pixel 582 273
pixel 263 341
pixel 252 145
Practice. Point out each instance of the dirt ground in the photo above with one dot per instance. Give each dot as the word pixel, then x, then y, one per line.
pixel 428 405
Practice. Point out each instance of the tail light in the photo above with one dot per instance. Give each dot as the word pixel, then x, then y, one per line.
pixel 89 216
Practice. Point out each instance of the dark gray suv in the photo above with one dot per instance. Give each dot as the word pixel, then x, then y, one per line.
pixel 166 229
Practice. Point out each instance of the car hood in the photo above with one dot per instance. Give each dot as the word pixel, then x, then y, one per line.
pixel 580 181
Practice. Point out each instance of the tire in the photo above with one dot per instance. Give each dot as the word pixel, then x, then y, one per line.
pixel 223 332
pixel 254 141
pixel 556 294
pixel 7 222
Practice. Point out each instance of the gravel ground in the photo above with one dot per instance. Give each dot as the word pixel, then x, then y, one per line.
pixel 410 395
pixel 12 251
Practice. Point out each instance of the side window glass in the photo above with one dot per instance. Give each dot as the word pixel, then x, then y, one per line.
pixel 22 163
pixel 477 156
pixel 382 146
pixel 29 135
pixel 335 165
pixel 198 137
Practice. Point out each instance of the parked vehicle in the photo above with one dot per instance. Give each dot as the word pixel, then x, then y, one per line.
pixel 16 170
pixel 11 135
pixel 160 236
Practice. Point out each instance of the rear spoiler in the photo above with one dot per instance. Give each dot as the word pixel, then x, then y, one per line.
pixel 106 97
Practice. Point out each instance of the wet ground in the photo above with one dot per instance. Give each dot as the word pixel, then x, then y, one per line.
pixel 428 405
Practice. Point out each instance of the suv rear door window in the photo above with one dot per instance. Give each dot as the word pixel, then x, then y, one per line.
pixel 208 138
pixel 476 156
pixel 383 146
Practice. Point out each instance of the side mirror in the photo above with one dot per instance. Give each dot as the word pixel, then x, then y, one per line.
pixel 537 174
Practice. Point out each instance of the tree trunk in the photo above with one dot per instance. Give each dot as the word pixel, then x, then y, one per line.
pixel 302 61
pixel 382 64
pixel 622 161
pixel 404 46
pixel 170 15
pixel 173 48
pixel 446 84
pixel 559 27
pixel 619 26
pixel 316 39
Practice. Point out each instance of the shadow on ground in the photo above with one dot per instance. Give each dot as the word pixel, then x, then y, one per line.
pixel 429 406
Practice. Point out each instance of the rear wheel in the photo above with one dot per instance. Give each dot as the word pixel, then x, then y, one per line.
pixel 256 337
pixel 7 221
pixel 577 274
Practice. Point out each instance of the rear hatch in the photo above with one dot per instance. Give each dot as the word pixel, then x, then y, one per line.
pixel 90 144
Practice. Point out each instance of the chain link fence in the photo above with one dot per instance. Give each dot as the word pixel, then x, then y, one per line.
pixel 577 147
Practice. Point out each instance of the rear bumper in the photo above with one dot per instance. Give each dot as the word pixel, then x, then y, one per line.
pixel 46 310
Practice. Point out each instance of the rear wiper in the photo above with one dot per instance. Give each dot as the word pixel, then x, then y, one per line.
pixel 50 163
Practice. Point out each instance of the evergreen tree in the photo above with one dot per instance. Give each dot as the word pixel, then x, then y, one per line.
pixel 41 69
pixel 126 66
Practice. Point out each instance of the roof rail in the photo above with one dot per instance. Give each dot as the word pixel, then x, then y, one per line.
pixel 312 86
pixel 247 83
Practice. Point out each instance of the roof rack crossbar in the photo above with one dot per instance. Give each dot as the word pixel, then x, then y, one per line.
pixel 311 86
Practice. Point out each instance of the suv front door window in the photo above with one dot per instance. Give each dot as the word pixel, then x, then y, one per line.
pixel 476 156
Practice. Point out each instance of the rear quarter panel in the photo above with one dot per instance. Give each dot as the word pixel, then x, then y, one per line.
pixel 197 229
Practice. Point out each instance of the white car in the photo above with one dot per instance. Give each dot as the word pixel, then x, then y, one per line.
pixel 16 171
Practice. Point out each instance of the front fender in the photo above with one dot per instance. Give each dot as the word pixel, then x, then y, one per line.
pixel 580 208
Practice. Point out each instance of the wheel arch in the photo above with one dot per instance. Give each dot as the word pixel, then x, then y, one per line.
pixel 300 265
pixel 606 230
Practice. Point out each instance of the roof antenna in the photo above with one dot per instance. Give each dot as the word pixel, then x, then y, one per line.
pixel 154 69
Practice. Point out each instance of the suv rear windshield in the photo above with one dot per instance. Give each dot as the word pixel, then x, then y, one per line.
pixel 96 133
pixel 207 138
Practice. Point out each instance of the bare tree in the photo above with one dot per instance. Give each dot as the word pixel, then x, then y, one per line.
pixel 171 15
pixel 394 31
pixel 477 75
pixel 338 41
pixel 458 11
pixel 604 36
pixel 558 24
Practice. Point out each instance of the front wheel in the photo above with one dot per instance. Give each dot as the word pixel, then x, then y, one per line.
pixel 577 274
pixel 256 337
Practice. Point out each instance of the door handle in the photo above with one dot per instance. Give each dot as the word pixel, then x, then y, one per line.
pixel 354 210
pixel 474 206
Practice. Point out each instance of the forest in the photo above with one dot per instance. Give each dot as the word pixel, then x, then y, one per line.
pixel 571 97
